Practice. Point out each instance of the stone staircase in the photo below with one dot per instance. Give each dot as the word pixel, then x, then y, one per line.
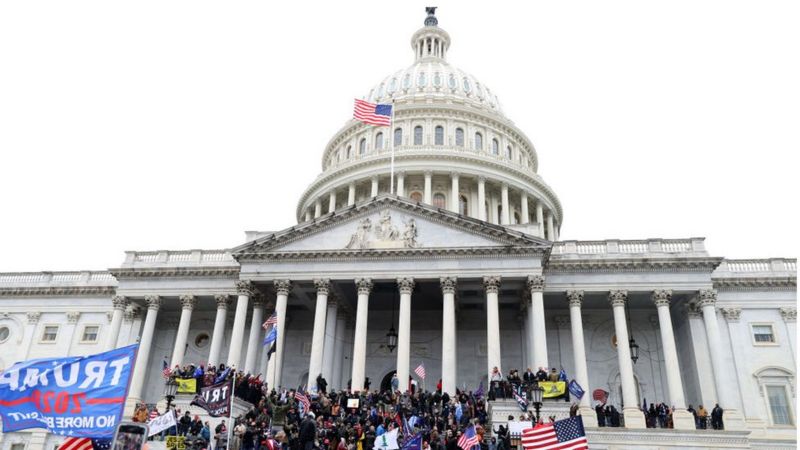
pixel 500 410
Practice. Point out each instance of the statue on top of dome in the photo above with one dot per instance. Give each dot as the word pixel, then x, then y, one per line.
pixel 431 20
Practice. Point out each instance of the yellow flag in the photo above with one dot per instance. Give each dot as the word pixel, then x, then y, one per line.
pixel 186 385
pixel 553 388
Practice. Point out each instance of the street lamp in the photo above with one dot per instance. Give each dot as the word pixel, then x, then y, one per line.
pixel 538 394
pixel 391 339
pixel 170 389
pixel 634 350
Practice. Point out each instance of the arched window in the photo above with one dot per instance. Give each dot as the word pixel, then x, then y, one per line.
pixel 416 196
pixel 378 141
pixel 509 152
pixel 486 211
pixel 418 135
pixel 438 135
pixel 495 147
pixel 398 136
pixel 362 146
pixel 478 141
pixel 349 152
pixel 439 200
pixel 459 137
pixel 462 205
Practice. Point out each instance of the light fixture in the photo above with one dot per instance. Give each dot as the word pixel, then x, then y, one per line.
pixel 538 394
pixel 632 342
pixel 170 389
pixel 634 350
pixel 391 336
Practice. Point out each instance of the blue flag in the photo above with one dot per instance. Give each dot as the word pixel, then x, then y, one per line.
pixel 562 376
pixel 479 392
pixel 414 443
pixel 78 396
pixel 522 401
pixel 575 389
pixel 271 336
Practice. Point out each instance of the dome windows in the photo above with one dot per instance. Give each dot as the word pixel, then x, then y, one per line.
pixel 495 147
pixel 398 136
pixel 478 90
pixel 451 82
pixel 379 141
pixel 380 92
pixel 467 87
pixel 509 153
pixel 462 205
pixel 459 137
pixel 478 141
pixel 437 80
pixel 422 79
pixel 418 135
pixel 393 86
pixel 416 196
pixel 407 81
pixel 438 135
pixel 349 152
pixel 362 147
pixel 439 200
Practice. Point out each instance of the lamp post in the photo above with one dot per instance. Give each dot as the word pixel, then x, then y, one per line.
pixel 537 393
pixel 170 389
pixel 391 339
pixel 634 350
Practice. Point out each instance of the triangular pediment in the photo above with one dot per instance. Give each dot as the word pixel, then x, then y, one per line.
pixel 390 224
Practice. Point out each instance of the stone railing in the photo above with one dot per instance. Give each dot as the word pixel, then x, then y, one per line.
pixel 613 247
pixel 772 266
pixel 73 278
pixel 178 258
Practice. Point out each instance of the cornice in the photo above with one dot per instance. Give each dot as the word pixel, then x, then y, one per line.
pixel 177 272
pixel 100 291
pixel 755 283
pixel 393 254
pixel 701 264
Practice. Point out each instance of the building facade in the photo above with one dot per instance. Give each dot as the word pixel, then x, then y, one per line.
pixel 458 253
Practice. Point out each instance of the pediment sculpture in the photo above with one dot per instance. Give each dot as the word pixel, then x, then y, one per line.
pixel 384 234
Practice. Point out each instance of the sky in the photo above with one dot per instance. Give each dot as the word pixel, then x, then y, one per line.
pixel 156 125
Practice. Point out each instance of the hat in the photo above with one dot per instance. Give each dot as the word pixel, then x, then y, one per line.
pixel 311 414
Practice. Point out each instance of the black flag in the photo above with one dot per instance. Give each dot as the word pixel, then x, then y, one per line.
pixel 215 399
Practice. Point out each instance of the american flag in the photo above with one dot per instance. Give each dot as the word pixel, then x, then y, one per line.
pixel 302 398
pixel 76 443
pixel 468 439
pixel 271 320
pixel 165 370
pixel 567 434
pixel 420 371
pixel 372 114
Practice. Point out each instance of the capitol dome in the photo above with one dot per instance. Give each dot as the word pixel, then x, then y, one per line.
pixel 453 149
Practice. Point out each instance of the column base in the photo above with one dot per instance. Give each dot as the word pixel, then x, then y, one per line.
pixel 634 418
pixel 732 419
pixel 589 416
pixel 683 420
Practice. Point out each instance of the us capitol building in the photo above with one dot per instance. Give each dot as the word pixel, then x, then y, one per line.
pixel 464 265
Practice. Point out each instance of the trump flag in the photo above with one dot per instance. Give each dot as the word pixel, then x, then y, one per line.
pixel 78 396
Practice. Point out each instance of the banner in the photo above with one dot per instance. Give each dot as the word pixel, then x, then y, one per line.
pixel 553 388
pixel 352 403
pixel 386 441
pixel 77 396
pixel 186 385
pixel 576 390
pixel 162 422
pixel 215 399
pixel 176 442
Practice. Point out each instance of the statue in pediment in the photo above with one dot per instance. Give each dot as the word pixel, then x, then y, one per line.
pixel 410 234
pixel 385 230
pixel 360 239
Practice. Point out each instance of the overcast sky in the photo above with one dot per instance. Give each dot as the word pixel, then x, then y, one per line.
pixel 179 124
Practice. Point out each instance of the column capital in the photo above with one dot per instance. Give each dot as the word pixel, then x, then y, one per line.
pixel 405 284
pixel 492 284
pixel 223 301
pixel 789 314
pixel 454 174
pixel 332 300
pixel 707 297
pixel 323 286
pixel 73 316
pixel 244 287
pixel 618 298
pixel 400 173
pixel 120 302
pixel 732 315
pixel 258 300
pixel 153 302
pixel 282 287
pixel 364 285
pixel 661 297
pixel 693 310
pixel 536 283
pixel 448 284
pixel 481 179
pixel 575 298
pixel 188 301
pixel 374 178
pixel 33 316
pixel 428 173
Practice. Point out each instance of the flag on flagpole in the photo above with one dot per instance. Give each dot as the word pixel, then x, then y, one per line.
pixel 75 443
pixel 271 336
pixel 165 369
pixel 468 439
pixel 576 390
pixel 271 320
pixel 413 443
pixel 479 392
pixel 303 399
pixel 372 113
pixel 522 402
pixel 420 370
pixel 561 434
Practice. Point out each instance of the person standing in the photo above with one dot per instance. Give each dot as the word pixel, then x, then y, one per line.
pixel 716 417
pixel 308 432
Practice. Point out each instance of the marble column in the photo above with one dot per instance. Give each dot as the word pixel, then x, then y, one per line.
pixel 540 218
pixel 374 190
pixel 551 231
pixel 145 345
pixel 682 419
pixel 448 334
pixel 406 286
pixel 253 340
pixel 338 349
pixel 524 208
pixel 428 193
pixel 707 298
pixel 309 215
pixel 188 303
pixel 506 213
pixel 482 198
pixel 332 201
pixel 223 302
pixel 120 303
pixel 282 289
pixel 401 184
pixel 454 192
pixel 575 300
pixel 492 286
pixel 323 287
pixel 317 208
pixel 351 194
pixel 633 415
pixel 245 289
pixel 364 286
pixel 537 323
pixel 330 340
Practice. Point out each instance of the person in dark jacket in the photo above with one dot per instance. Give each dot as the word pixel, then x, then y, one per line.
pixel 308 432
pixel 601 417
pixel 322 384
pixel 716 417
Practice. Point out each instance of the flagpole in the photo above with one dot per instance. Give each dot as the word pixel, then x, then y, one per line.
pixel 230 413
pixel 391 149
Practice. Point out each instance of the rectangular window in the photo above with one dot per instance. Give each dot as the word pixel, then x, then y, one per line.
pixel 763 334
pixel 50 333
pixel 90 333
pixel 779 405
